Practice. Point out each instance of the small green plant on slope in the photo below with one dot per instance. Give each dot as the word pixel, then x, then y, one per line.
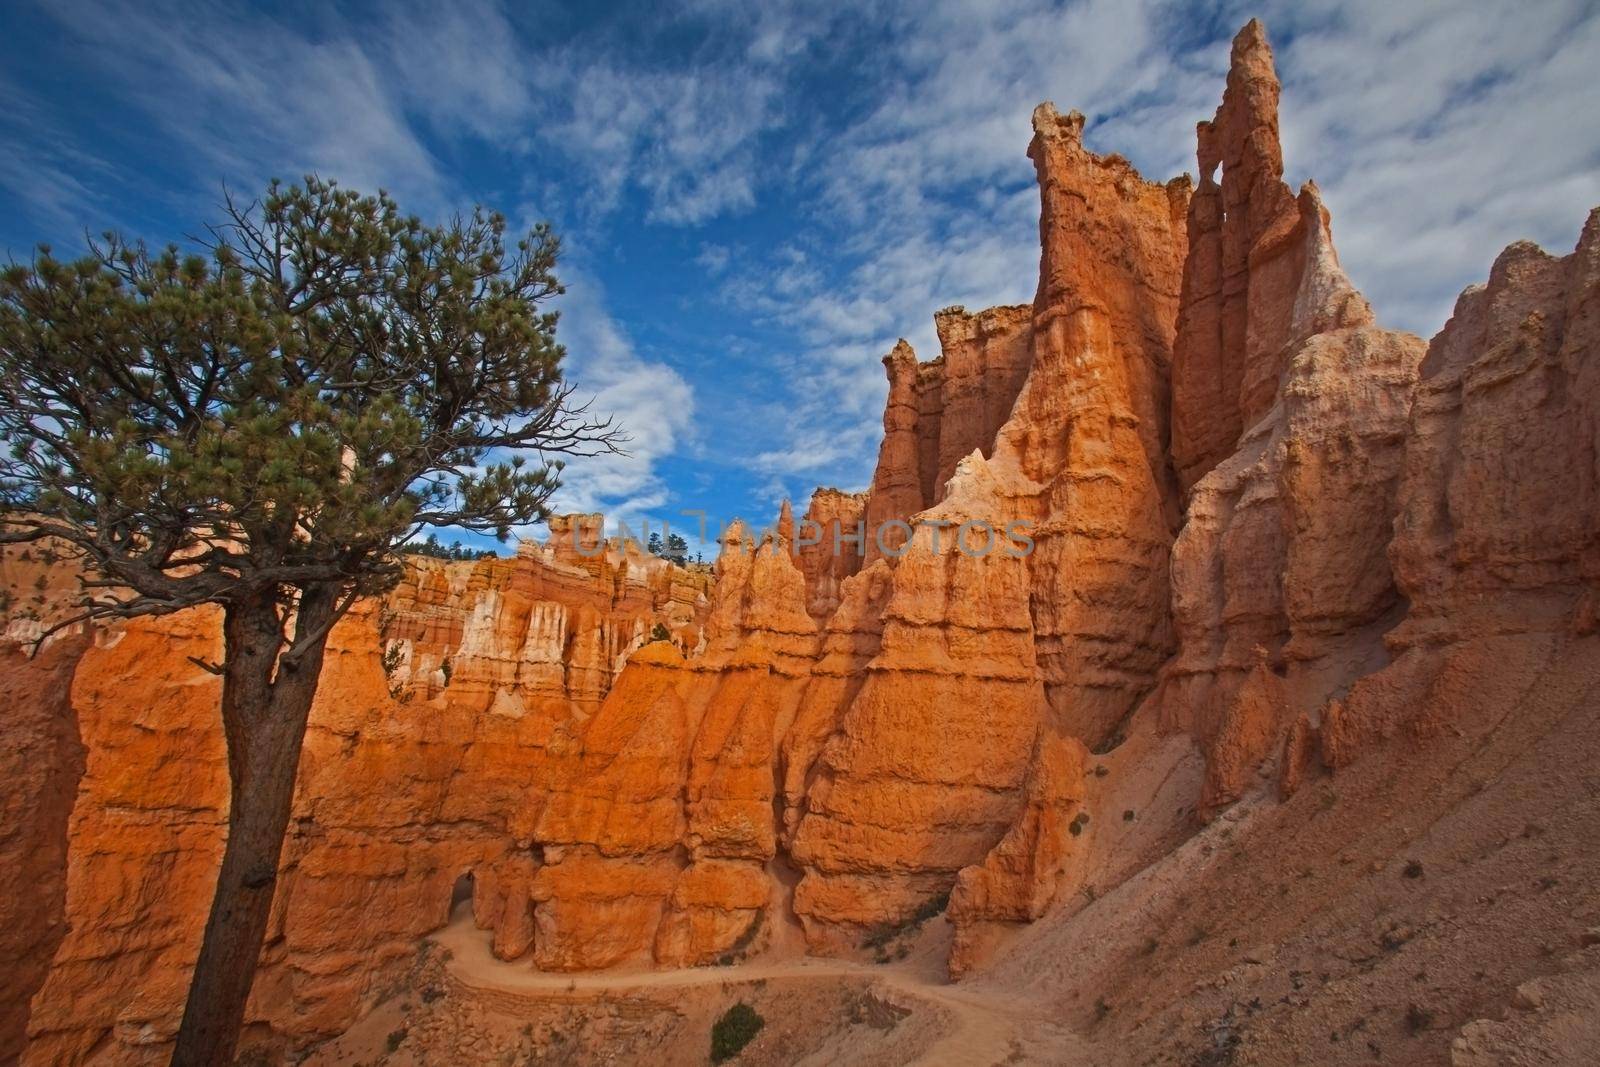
pixel 738 1027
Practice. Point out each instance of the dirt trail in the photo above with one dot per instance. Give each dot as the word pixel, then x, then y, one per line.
pixel 981 1027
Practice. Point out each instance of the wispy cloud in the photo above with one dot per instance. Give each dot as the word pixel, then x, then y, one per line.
pixel 55 177
pixel 1438 132
pixel 783 189
pixel 253 97
pixel 462 66
pixel 687 137
pixel 649 400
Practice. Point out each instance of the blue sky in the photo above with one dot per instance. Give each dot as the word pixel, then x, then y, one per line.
pixel 757 199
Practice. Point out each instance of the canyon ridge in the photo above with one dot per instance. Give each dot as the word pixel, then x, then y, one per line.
pixel 1277 745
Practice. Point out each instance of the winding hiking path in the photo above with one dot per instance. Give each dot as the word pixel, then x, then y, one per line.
pixel 983 1028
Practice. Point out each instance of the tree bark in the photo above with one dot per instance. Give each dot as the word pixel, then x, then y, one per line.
pixel 267 690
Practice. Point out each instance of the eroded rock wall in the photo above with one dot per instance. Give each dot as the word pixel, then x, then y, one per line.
pixel 1281 586
pixel 1260 536
pixel 40 763
pixel 1241 273
pixel 1497 537
pixel 827 546
pixel 940 412
pixel 445 718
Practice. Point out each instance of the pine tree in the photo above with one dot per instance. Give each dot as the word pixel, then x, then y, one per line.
pixel 261 423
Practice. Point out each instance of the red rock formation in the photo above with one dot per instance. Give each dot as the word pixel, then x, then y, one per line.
pixel 1289 415
pixel 670 794
pixel 665 817
pixel 897 482
pixel 1089 430
pixel 977 654
pixel 828 547
pixel 1017 880
pixel 940 412
pixel 986 360
pixel 1243 268
pixel 923 771
pixel 414 775
pixel 550 624
pixel 1500 519
pixel 40 764
pixel 1497 538
pixel 1319 553
pixel 1281 567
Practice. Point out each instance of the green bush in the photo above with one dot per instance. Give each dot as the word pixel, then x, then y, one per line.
pixel 738 1027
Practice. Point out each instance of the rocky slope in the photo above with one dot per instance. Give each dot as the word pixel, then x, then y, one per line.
pixel 1261 604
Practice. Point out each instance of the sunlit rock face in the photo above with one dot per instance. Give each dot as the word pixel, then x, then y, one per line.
pixel 446 715
pixel 827 547
pixel 1290 411
pixel 1189 528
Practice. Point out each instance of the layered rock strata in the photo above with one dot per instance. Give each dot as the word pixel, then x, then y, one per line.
pixel 1281 587
pixel 941 411
pixel 444 715
pixel 1214 519
pixel 1496 546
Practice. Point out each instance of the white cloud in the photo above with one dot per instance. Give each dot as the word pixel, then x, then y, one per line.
pixel 649 400
pixel 255 98
pixel 714 258
pixel 687 135
pixel 460 64
pixel 1438 132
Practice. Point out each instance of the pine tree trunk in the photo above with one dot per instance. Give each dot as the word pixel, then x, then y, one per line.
pixel 265 703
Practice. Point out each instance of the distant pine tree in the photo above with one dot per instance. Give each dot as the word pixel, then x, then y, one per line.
pixel 455 551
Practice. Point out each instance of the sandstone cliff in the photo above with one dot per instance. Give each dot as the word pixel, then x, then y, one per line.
pixel 1281 587
pixel 443 714
pixel 1264 541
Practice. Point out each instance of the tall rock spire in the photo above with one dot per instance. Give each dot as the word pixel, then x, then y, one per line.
pixel 897 482
pixel 1231 323
pixel 786 526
